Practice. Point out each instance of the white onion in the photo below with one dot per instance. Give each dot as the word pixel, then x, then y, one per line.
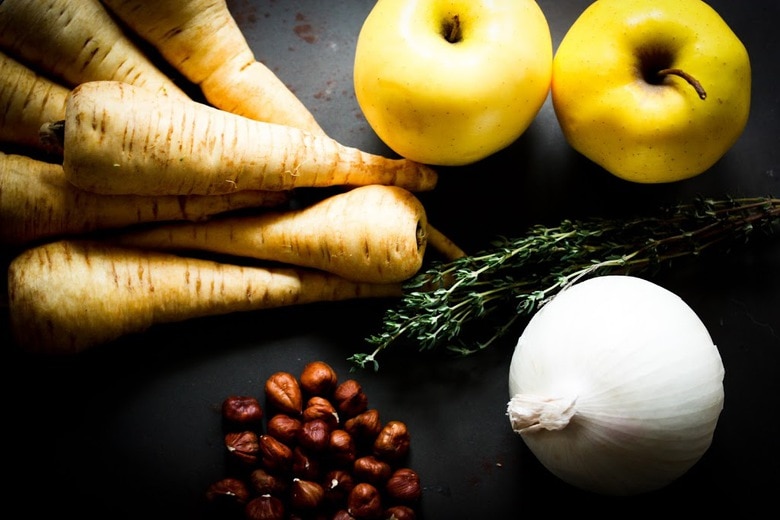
pixel 616 386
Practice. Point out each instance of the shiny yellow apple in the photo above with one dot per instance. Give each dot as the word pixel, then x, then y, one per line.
pixel 654 91
pixel 450 82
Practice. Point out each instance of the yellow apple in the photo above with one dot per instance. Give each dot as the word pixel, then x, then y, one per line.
pixel 450 82
pixel 652 90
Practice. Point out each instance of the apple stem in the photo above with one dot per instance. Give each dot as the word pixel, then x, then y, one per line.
pixel 452 30
pixel 687 77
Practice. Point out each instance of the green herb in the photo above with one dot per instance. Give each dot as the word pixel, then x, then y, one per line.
pixel 467 304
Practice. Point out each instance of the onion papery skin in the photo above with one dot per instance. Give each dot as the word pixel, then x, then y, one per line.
pixel 644 377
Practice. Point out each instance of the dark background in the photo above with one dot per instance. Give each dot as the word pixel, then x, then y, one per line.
pixel 132 429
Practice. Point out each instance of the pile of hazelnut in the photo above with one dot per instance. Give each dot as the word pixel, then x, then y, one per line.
pixel 321 454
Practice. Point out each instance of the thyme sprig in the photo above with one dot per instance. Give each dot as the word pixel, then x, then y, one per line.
pixel 444 304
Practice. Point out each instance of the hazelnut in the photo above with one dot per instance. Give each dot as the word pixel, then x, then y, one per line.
pixel 263 482
pixel 228 494
pixel 400 513
pixel 403 486
pixel 264 507
pixel 283 392
pixel 242 446
pixel 303 465
pixel 283 428
pixel 305 494
pixel 320 408
pixel 371 469
pixel 364 501
pixel 314 435
pixel 365 426
pixel 341 448
pixel 337 484
pixel 318 378
pixel 349 398
pixel 275 456
pixel 393 441
pixel 324 454
pixel 242 410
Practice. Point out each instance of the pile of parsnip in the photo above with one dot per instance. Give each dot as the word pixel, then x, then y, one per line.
pixel 128 203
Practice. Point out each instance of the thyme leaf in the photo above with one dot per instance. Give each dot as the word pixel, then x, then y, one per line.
pixel 467 304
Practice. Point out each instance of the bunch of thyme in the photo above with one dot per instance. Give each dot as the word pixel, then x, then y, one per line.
pixel 442 304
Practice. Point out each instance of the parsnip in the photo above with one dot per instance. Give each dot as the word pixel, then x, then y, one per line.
pixel 370 234
pixel 121 139
pixel 77 41
pixel 68 296
pixel 449 250
pixel 202 40
pixel 37 202
pixel 27 101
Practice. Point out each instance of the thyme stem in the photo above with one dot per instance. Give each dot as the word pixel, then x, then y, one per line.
pixel 450 304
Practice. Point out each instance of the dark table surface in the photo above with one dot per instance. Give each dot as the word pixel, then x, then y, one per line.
pixel 132 429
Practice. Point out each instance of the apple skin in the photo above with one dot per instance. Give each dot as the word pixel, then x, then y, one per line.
pixel 637 130
pixel 452 104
